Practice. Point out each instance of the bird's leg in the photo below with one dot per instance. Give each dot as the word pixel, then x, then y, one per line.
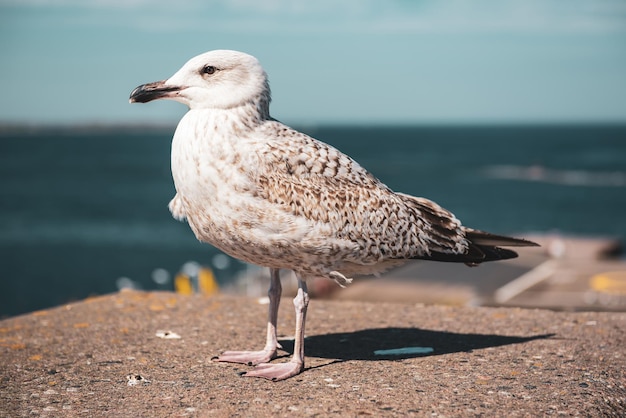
pixel 269 351
pixel 283 371
pixel 273 294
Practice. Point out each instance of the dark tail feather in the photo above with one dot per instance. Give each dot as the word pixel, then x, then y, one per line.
pixel 489 239
pixel 483 247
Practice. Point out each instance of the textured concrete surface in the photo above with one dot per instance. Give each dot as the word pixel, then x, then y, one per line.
pixel 106 357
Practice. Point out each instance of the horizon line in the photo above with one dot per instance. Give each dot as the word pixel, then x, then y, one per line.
pixel 38 126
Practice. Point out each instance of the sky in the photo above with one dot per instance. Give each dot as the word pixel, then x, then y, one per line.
pixel 329 62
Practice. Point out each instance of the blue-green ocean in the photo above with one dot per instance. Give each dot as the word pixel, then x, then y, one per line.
pixel 81 208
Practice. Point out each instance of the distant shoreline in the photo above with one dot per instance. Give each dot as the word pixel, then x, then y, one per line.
pixel 28 128
pixel 82 128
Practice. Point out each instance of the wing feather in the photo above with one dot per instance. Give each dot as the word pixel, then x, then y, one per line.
pixel 308 178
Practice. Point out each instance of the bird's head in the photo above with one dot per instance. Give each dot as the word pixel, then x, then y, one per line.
pixel 218 79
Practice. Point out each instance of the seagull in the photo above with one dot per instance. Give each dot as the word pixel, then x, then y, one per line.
pixel 269 195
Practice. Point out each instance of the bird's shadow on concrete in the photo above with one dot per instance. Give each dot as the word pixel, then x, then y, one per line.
pixel 400 343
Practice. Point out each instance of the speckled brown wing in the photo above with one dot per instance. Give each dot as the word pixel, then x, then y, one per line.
pixel 308 178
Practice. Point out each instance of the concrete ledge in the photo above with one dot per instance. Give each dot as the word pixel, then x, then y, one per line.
pixel 78 360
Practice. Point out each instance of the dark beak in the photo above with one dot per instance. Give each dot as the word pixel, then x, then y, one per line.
pixel 153 91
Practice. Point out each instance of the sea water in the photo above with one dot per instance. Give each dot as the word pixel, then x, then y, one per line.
pixel 82 209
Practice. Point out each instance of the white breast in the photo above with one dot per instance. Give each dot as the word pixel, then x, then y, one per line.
pixel 206 167
pixel 213 166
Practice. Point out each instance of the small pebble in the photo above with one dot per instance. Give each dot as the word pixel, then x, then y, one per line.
pixel 168 335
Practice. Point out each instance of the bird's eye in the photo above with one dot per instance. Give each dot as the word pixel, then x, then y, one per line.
pixel 208 69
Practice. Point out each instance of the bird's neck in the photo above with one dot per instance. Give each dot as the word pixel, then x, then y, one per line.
pixel 236 120
pixel 262 104
pixel 248 115
pixel 251 113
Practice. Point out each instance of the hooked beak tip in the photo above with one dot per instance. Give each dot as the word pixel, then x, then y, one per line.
pixel 152 91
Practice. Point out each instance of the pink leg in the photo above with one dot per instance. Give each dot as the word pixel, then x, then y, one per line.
pixel 269 351
pixel 283 371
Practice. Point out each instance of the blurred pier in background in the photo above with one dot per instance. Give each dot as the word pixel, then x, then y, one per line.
pixel 565 273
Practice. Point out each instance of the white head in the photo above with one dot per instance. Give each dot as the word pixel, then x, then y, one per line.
pixel 218 79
